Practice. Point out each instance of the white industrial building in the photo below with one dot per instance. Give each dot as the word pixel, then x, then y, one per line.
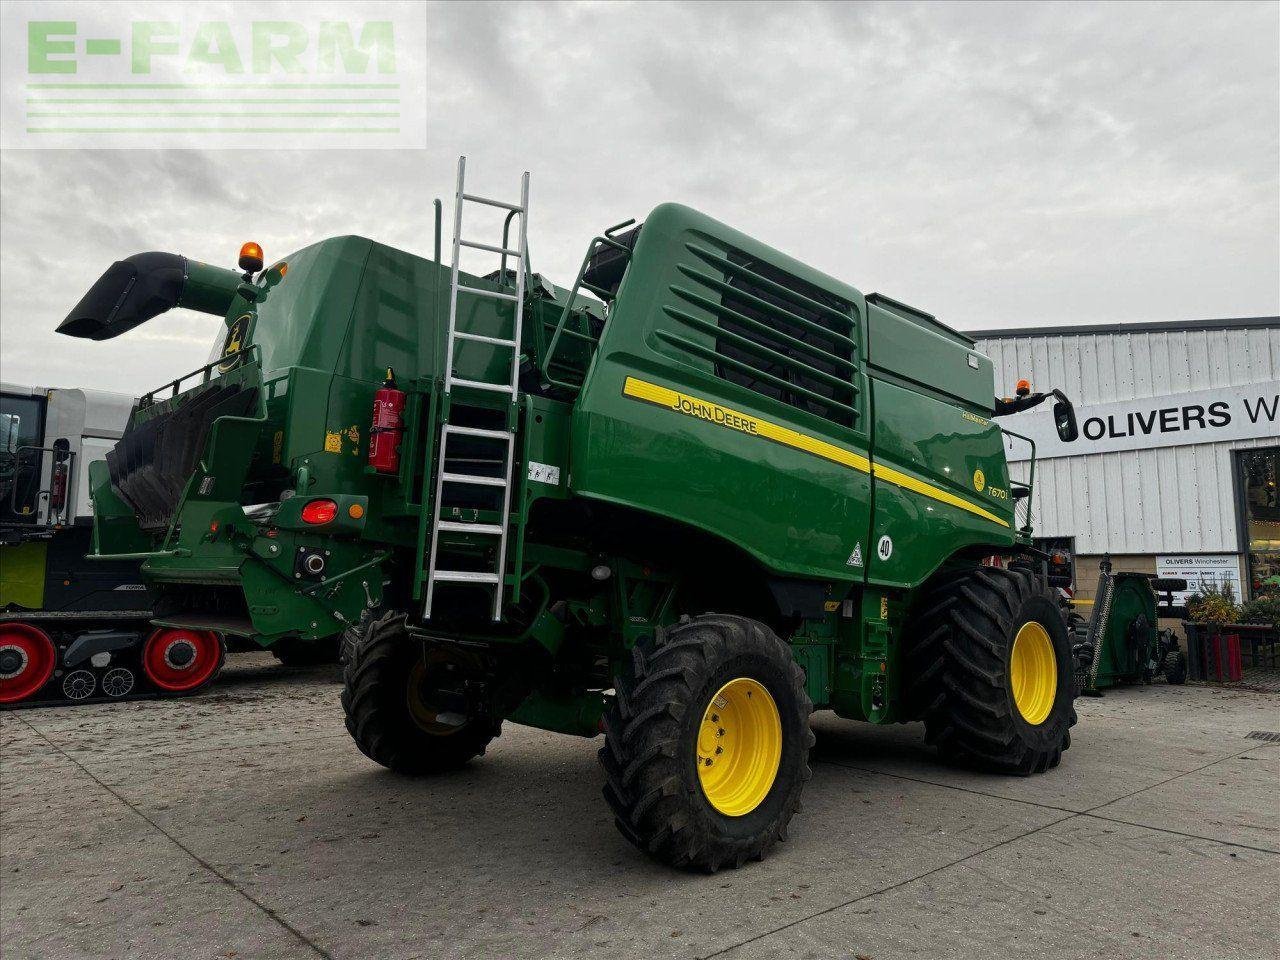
pixel 1175 469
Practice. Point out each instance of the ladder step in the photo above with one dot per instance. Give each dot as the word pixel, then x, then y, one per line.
pixel 472 478
pixel 493 203
pixel 465 576
pixel 478 432
pixel 488 246
pixel 481 338
pixel 452 526
pixel 497 295
pixel 481 385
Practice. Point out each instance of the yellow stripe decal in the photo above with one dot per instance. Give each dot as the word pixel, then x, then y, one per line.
pixel 746 423
pixel 897 478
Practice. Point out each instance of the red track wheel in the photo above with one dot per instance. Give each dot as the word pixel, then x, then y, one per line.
pixel 179 660
pixel 27 659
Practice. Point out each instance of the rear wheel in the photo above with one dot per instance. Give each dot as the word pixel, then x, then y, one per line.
pixel 405 707
pixel 707 743
pixel 181 661
pixel 27 661
pixel 992 673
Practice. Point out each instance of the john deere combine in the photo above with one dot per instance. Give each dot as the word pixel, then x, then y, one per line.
pixel 684 503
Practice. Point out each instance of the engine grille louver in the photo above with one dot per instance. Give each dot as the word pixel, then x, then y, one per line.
pixel 153 461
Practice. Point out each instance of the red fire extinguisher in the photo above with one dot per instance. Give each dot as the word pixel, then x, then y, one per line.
pixel 387 427
pixel 58 489
pixel 58 480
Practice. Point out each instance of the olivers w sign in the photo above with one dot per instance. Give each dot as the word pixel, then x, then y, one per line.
pixel 1201 416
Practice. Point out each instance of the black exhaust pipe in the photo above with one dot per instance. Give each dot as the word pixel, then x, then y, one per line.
pixel 137 288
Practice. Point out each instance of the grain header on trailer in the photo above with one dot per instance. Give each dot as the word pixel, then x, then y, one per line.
pixel 683 503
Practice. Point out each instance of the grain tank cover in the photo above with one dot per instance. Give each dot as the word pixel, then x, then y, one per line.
pixel 914 345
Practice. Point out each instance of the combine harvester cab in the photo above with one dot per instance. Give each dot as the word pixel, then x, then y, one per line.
pixel 699 494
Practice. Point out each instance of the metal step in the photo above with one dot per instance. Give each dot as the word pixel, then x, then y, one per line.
pixel 478 432
pixel 496 294
pixel 492 203
pixel 481 385
pixel 453 526
pixel 465 576
pixel 471 478
pixel 488 246
pixel 481 338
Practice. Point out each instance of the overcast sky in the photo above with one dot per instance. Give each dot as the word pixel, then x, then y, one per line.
pixel 996 165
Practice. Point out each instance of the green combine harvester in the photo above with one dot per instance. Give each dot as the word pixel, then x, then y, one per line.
pixel 684 503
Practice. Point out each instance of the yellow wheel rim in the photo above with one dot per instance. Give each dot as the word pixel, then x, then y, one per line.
pixel 423 714
pixel 739 747
pixel 1033 673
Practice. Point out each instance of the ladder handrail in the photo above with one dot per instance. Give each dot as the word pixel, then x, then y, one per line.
pixel 560 327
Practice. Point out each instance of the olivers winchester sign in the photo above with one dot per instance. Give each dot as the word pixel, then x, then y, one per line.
pixel 1202 416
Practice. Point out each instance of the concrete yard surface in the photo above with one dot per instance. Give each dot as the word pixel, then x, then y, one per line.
pixel 244 823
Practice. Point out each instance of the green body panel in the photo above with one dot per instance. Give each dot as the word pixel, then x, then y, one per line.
pixel 115 529
pixel 665 472
pixel 22 574
pixel 796 513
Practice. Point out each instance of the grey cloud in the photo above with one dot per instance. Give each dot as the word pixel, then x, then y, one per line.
pixel 996 164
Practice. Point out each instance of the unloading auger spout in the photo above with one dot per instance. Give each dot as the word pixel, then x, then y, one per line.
pixel 145 285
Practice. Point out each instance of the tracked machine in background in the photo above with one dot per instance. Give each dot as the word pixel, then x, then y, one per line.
pixel 681 504
pixel 73 630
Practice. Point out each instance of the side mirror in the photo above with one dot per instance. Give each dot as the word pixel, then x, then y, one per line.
pixel 1064 418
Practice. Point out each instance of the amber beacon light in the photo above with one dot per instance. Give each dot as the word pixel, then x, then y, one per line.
pixel 251 257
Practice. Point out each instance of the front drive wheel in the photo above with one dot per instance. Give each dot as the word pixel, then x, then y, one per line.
pixel 992 672
pixel 404 706
pixel 707 743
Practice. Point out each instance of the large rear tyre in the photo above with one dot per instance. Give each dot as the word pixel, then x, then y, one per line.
pixel 992 672
pixel 27 661
pixel 402 704
pixel 707 743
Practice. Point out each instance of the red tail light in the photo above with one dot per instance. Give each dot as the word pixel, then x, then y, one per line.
pixel 319 511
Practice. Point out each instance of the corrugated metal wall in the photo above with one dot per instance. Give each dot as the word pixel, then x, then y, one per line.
pixel 1166 500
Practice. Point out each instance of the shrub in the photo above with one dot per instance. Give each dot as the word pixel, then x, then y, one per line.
pixel 1213 604
pixel 1265 609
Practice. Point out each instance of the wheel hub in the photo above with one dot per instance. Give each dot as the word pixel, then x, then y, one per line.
pixel 13 660
pixel 180 654
pixel 739 747
pixel 1033 673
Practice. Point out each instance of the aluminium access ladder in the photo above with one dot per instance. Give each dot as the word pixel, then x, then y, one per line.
pixel 506 438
